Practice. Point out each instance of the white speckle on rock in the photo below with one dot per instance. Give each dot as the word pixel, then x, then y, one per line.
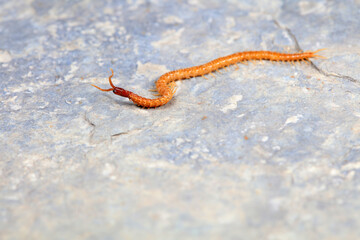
pixel 150 70
pixel 293 119
pixel 351 166
pixel 308 7
pixel 108 28
pixel 173 20
pixel 28 162
pixel 356 127
pixel 5 56
pixel 334 172
pixel 32 177
pixel 15 107
pixel 10 100
pixel 276 203
pixel 170 37
pixel 350 175
pixel 42 104
pixel 197 3
pixel 90 31
pixel 265 138
pixel 340 201
pixel 79 100
pixel 52 29
pixel 122 30
pixel 230 22
pixel 276 148
pixel 329 141
pixel 332 105
pixel 108 169
pixel 135 4
pixel 205 150
pixel 179 141
pixel 227 218
pixel 232 103
pixel 73 68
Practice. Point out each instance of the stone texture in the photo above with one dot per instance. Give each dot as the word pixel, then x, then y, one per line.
pixel 269 151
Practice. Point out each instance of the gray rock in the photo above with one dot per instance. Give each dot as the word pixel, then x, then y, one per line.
pixel 268 151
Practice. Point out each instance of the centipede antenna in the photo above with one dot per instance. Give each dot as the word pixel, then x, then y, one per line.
pixel 322 49
pixel 319 56
pixel 104 90
pixel 112 85
pixel 112 74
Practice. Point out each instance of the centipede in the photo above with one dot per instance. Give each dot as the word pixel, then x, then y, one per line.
pixel 166 87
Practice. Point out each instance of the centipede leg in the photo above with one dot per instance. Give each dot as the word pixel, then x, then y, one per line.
pixel 319 56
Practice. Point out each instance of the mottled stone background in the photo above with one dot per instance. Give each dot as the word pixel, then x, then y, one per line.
pixel 269 151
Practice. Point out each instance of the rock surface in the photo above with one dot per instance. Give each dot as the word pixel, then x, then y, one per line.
pixel 268 151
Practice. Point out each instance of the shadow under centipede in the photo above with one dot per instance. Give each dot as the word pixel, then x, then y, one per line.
pixel 123 103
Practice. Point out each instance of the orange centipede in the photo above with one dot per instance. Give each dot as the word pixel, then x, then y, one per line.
pixel 166 87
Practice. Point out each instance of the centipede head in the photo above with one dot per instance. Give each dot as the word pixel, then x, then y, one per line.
pixel 116 90
pixel 121 92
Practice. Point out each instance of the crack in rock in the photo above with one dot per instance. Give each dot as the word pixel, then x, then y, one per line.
pixel 298 48
pixel 292 36
pixel 92 125
pixel 337 75
pixel 127 132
